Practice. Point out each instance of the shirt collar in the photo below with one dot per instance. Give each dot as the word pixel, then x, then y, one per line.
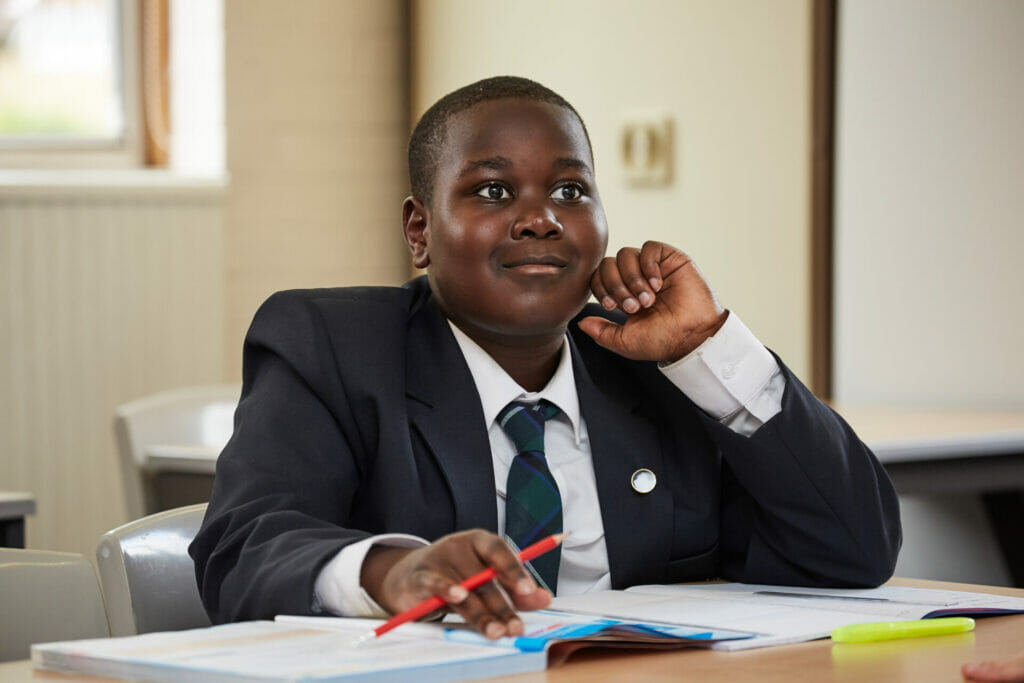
pixel 497 389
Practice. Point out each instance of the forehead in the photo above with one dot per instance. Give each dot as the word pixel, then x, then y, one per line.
pixel 513 127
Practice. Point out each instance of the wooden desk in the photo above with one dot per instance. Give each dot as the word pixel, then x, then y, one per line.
pixel 14 507
pixel 935 659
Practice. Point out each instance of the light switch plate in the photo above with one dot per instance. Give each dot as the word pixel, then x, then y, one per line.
pixel 646 148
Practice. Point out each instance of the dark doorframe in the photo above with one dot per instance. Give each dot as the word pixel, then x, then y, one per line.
pixel 823 64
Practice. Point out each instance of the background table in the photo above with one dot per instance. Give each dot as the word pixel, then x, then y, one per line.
pixel 941 452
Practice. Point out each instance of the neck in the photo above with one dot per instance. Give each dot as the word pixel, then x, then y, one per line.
pixel 530 361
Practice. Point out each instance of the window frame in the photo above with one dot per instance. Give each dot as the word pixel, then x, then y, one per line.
pixel 123 151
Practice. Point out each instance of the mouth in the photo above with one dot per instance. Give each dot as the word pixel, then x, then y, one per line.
pixel 547 264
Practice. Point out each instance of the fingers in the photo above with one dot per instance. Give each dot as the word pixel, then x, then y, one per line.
pixel 604 332
pixel 488 610
pixel 632 278
pixel 1006 670
pixel 651 257
pixel 671 308
pixel 493 552
pixel 438 569
pixel 619 282
pixel 491 608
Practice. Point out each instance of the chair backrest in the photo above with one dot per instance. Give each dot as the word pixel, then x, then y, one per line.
pixel 200 415
pixel 149 581
pixel 47 596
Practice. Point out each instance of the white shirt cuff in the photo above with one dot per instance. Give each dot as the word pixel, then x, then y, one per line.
pixel 337 588
pixel 729 373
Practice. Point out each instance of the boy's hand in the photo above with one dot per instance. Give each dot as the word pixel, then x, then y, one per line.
pixel 671 309
pixel 1006 670
pixel 399 578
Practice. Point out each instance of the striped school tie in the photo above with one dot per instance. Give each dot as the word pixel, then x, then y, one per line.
pixel 533 506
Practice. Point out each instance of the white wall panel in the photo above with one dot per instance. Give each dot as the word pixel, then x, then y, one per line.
pixel 106 294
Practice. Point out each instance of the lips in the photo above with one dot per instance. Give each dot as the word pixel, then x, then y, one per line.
pixel 542 261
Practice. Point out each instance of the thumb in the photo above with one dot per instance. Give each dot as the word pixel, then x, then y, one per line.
pixel 604 332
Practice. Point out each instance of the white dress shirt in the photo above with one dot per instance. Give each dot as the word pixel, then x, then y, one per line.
pixel 731 376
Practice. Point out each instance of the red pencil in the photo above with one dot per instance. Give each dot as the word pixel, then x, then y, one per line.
pixel 472 583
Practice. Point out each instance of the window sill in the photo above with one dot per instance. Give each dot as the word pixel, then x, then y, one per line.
pixel 98 183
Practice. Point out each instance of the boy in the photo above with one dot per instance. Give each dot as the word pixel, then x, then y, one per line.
pixel 370 467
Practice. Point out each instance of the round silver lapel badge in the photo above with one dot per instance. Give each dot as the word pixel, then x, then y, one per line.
pixel 643 480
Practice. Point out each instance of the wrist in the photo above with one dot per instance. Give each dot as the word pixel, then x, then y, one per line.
pixel 695 337
pixel 374 574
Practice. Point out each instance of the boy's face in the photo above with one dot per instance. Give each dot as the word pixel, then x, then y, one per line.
pixel 515 228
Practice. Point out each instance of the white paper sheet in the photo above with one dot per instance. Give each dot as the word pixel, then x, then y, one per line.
pixel 776 614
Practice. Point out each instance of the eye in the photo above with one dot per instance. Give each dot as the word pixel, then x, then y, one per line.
pixel 494 191
pixel 569 192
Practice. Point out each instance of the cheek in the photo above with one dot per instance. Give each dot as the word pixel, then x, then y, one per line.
pixel 468 235
pixel 596 240
pixel 462 255
pixel 602 245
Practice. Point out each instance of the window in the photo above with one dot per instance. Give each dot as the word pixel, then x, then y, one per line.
pixel 66 74
pixel 60 75
pixel 85 84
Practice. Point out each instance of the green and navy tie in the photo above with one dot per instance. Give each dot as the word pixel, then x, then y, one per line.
pixel 533 505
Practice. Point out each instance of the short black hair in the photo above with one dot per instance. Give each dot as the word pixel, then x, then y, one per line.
pixel 430 133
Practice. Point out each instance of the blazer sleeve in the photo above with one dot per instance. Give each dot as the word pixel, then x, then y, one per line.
pixel 804 501
pixel 287 476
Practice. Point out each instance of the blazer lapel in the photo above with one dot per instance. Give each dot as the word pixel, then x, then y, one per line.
pixel 444 408
pixel 637 526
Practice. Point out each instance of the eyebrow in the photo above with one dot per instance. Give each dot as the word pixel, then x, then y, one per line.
pixel 500 163
pixel 574 163
pixel 493 163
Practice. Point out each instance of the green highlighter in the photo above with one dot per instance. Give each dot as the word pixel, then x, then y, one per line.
pixel 890 630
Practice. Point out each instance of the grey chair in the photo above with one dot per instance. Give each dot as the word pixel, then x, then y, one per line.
pixel 189 417
pixel 148 577
pixel 47 596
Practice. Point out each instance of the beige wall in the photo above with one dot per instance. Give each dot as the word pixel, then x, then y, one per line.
pixel 317 120
pixel 107 293
pixel 734 76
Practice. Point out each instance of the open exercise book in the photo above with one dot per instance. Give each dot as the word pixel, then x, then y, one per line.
pixel 727 616
pixel 321 649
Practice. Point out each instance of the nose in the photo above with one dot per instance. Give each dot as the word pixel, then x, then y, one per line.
pixel 540 223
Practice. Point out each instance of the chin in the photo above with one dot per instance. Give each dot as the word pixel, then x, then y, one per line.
pixel 534 323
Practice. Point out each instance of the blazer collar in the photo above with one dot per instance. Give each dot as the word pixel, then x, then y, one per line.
pixel 444 408
pixel 637 527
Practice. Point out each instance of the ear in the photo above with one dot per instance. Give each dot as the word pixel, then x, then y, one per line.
pixel 415 221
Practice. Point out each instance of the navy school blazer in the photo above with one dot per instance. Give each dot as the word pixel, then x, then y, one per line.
pixel 359 416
